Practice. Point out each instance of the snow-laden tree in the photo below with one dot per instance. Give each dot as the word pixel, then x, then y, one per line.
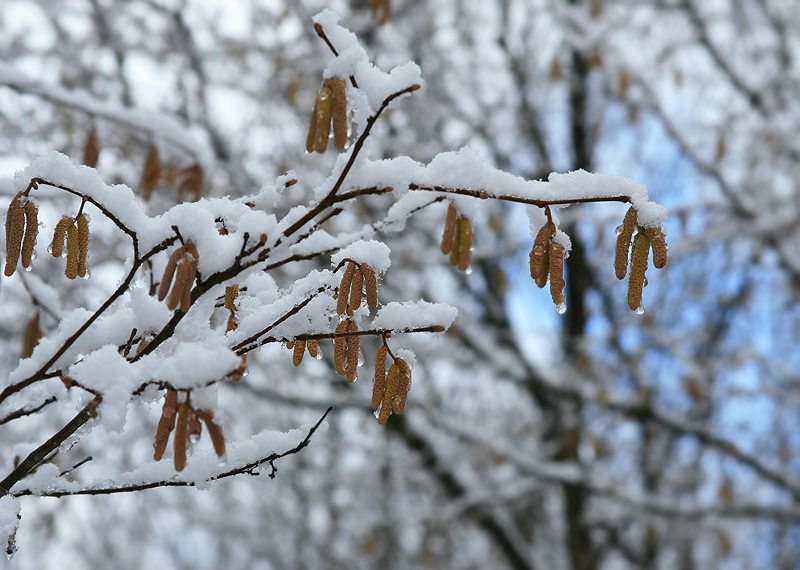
pixel 599 438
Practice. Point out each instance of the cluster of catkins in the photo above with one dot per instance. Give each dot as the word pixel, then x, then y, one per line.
pixel 182 265
pixel 547 260
pixel 70 238
pixel 457 238
pixel 185 421
pixel 330 107
pixel 645 239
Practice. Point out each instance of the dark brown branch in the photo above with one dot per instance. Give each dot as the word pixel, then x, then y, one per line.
pixel 26 412
pixel 482 194
pixel 249 468
pixel 52 444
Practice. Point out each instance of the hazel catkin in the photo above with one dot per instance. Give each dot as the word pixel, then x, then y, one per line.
pixel 379 381
pixel 624 235
pixel 343 293
pixel 403 386
pixel 557 282
pixel 169 272
pixel 539 252
pixel 339 346
pixel 658 243
pixel 639 255
pixel 465 244
pixel 181 433
pixel 370 286
pixel 31 233
pixel 324 112
pixel 392 382
pixel 352 349
pixel 449 229
pixel 82 223
pixel 356 291
pixel 73 252
pixel 299 351
pixel 166 424
pixel 339 111
pixel 60 235
pixel 15 230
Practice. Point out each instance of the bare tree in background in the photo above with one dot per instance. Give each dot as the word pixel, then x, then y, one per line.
pixel 594 439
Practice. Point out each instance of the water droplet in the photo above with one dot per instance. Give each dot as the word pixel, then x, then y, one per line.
pixel 222 460
pixel 194 438
pixel 9 554
pixel 29 268
pixel 618 230
pixel 360 358
pixel 640 310
pixel 246 372
pixel 561 308
pixel 319 354
pixel 377 412
pixel 469 270
pixel 50 249
pixel 64 253
pixel 33 254
pixel 88 274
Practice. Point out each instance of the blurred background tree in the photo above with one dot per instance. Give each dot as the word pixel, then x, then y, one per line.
pixel 597 439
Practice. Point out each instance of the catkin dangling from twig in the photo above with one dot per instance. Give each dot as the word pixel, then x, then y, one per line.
pixel 624 236
pixel 151 172
pixel 214 430
pixel 339 111
pixel 539 257
pixel 465 244
pixel 370 286
pixel 166 424
pixel 91 150
pixel 82 223
pixel 352 350
pixel 60 236
pixel 659 244
pixel 73 253
pixel 33 334
pixel 557 282
pixel 639 255
pixel 324 112
pixel 343 293
pixel 379 381
pixel 182 277
pixel 299 351
pixel 339 347
pixel 449 229
pixel 15 231
pixel 169 272
pixel 392 382
pixel 403 386
pixel 356 291
pixel 312 345
pixel 31 233
pixel 181 436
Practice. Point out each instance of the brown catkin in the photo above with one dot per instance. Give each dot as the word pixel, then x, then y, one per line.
pixel 624 243
pixel 356 291
pixel 659 244
pixel 15 230
pixel 324 111
pixel 449 229
pixel 195 429
pixel 82 223
pixel 71 270
pixel 312 127
pixel 214 430
pixel 379 381
pixel 539 252
pixel 339 347
pixel 312 345
pixel 290 344
pixel 169 272
pixel 465 244
pixel 403 386
pixel 231 293
pixel 371 286
pixel 456 249
pixel 299 351
pixel 339 111
pixel 186 298
pixel 182 275
pixel 557 282
pixel 639 254
pixel 91 150
pixel 544 270
pixel 344 289
pixel 60 235
pixel 166 424
pixel 392 382
pixel 351 356
pixel 33 334
pixel 31 233
pixel 181 432
pixel 151 173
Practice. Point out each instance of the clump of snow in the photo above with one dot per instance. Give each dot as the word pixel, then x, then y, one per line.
pixel 9 522
pixel 372 253
pixel 414 315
